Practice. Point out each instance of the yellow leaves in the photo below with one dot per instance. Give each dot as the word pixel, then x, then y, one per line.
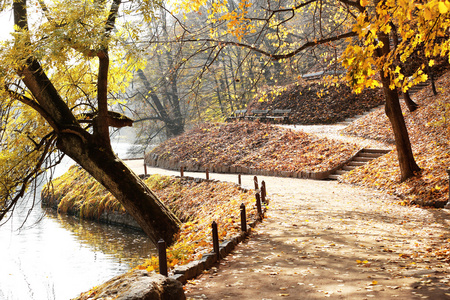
pixel 363 262
pixel 364 2
pixel 428 13
pixel 443 7
pixel 237 22
pixel 432 9
pixel 424 26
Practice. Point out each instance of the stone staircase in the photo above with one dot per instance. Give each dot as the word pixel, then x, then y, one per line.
pixel 360 159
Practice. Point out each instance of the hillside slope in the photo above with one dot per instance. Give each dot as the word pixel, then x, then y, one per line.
pixel 253 145
pixel 429 130
pixel 317 103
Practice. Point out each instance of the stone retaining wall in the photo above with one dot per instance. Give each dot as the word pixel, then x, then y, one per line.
pixel 154 160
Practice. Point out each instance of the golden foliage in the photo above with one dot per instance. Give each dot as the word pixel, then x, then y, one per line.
pixel 429 129
pixel 196 204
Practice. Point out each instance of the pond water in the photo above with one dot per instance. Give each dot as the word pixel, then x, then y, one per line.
pixel 46 256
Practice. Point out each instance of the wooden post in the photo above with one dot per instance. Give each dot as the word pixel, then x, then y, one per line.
pixel 243 218
pixel 258 205
pixel 182 171
pixel 145 169
pixel 215 236
pixel 263 191
pixel 239 179
pixel 162 258
pixel 255 180
pixel 207 174
pixel 447 205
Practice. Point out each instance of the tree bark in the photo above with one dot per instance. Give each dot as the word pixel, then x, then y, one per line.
pixel 93 152
pixel 407 163
pixel 139 201
pixel 412 106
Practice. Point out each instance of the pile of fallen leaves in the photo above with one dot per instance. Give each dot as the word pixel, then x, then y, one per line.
pixel 316 102
pixel 196 204
pixel 255 145
pixel 429 130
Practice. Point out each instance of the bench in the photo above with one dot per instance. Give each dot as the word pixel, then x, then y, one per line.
pixel 258 114
pixel 279 115
pixel 237 115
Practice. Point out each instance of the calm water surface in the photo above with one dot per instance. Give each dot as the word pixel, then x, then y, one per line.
pixel 47 256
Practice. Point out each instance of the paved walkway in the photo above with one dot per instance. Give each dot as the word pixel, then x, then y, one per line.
pixel 324 239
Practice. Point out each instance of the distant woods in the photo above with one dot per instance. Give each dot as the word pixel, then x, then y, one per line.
pixel 190 77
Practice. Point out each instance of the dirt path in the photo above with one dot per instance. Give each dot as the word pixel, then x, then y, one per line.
pixel 333 132
pixel 324 239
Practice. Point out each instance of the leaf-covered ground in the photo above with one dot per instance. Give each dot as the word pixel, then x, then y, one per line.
pixel 197 204
pixel 257 145
pixel 265 146
pixel 316 103
pixel 322 239
pixel 429 130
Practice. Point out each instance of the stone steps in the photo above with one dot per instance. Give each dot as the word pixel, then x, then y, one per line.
pixel 362 158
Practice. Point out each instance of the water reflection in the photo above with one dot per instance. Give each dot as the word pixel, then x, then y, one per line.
pixel 57 257
pixel 125 244
pixel 45 256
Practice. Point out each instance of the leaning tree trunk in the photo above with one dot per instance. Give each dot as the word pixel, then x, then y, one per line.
pixel 92 151
pixel 139 201
pixel 412 106
pixel 408 165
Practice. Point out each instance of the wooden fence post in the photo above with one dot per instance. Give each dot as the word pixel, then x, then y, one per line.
pixel 258 205
pixel 447 205
pixel 215 235
pixel 263 191
pixel 162 257
pixel 243 218
pixel 255 180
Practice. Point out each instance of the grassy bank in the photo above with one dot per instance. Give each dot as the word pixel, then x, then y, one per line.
pixel 197 204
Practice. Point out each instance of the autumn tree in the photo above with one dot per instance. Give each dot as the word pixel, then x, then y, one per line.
pixel 59 77
pixel 366 27
pixel 157 86
pixel 185 83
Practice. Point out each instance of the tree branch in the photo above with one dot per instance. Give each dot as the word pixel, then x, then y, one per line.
pixel 101 128
pixel 33 104
pixel 280 56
